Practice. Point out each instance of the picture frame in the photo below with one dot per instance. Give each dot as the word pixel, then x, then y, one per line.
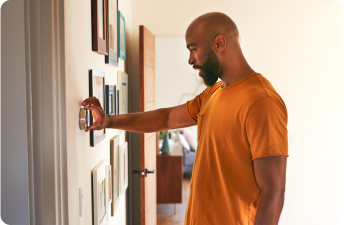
pixel 100 190
pixel 110 99
pixel 121 36
pixel 122 80
pixel 114 161
pixel 109 185
pixel 123 164
pixel 112 46
pixel 117 99
pixel 97 89
pixel 99 26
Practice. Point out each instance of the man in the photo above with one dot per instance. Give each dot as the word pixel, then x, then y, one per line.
pixel 240 167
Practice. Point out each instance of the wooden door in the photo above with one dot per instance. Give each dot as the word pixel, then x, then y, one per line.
pixel 147 140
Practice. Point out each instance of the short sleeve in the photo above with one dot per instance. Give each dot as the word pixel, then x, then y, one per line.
pixel 266 128
pixel 193 106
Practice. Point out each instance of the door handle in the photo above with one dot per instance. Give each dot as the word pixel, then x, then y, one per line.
pixel 147 172
pixel 138 172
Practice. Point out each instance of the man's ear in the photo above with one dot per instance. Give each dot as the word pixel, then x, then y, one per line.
pixel 220 43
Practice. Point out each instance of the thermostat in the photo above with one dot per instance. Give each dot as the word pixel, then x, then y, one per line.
pixel 83 119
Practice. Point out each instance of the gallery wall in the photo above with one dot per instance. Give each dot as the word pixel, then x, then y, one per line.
pixel 298 46
pixel 79 60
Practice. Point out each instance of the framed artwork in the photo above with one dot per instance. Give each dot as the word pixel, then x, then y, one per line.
pixel 99 26
pixel 97 89
pixel 114 157
pixel 121 32
pixel 109 184
pixel 117 99
pixel 100 191
pixel 122 80
pixel 110 98
pixel 112 57
pixel 123 164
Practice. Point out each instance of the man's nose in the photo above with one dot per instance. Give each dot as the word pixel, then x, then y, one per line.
pixel 191 60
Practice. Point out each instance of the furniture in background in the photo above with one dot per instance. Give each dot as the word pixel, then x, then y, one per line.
pixel 188 146
pixel 170 176
pixel 188 160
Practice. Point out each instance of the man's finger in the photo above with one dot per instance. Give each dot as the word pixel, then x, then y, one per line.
pixel 91 100
pixel 96 116
pixel 96 111
pixel 93 128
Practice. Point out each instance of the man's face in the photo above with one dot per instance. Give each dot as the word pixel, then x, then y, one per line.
pixel 205 60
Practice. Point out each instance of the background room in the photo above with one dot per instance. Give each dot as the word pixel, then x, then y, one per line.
pixel 298 47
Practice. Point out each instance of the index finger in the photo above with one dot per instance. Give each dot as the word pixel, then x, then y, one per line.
pixel 91 100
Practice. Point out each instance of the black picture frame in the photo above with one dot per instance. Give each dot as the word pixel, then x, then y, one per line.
pixel 97 90
pixel 110 98
pixel 112 18
pixel 117 99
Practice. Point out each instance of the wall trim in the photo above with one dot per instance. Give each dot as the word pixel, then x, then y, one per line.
pixel 46 81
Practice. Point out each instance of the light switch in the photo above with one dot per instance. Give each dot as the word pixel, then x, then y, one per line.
pixel 81 200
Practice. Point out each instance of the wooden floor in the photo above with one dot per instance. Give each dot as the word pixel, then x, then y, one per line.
pixel 165 212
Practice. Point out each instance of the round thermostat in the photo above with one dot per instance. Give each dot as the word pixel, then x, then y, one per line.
pixel 83 119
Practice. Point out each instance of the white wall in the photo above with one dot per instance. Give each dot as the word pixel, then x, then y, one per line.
pixel 298 46
pixel 79 60
pixel 174 76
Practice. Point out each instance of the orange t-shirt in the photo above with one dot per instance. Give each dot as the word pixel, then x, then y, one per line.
pixel 235 125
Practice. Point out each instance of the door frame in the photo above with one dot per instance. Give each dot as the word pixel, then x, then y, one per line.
pixel 46 107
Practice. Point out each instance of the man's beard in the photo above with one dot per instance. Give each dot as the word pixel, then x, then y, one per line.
pixel 210 69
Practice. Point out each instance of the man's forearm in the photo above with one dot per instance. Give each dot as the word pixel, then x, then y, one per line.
pixel 269 209
pixel 145 122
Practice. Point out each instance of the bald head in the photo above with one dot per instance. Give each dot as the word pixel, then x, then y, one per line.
pixel 213 42
pixel 211 24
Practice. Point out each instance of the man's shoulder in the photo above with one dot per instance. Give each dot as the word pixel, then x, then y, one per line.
pixel 211 89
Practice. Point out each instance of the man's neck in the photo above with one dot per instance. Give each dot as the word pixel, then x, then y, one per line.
pixel 235 76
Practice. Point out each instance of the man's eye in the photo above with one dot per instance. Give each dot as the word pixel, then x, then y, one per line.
pixel 191 50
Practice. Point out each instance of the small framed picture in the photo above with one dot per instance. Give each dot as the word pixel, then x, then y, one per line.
pixel 110 98
pixel 109 185
pixel 121 32
pixel 123 164
pixel 99 26
pixel 114 157
pixel 100 191
pixel 122 80
pixel 112 57
pixel 97 89
pixel 117 99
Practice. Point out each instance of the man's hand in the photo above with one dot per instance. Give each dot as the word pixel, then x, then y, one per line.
pixel 101 120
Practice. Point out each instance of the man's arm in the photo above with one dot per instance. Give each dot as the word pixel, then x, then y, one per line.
pixel 270 173
pixel 150 121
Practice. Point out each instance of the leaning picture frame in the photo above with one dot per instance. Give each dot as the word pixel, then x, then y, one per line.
pixel 100 190
pixel 99 26
pixel 112 57
pixel 97 89
pixel 114 161
pixel 122 80
pixel 121 36
pixel 123 164
pixel 109 185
